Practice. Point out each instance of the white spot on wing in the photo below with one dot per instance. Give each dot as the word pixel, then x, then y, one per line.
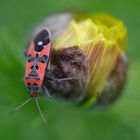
pixel 40 43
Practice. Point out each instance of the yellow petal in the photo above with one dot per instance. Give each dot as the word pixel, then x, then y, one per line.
pixel 102 38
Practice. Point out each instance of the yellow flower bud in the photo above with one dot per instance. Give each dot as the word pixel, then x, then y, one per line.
pixel 102 38
pixel 90 46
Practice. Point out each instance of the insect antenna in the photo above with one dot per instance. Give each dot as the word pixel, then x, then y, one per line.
pixel 20 106
pixel 41 114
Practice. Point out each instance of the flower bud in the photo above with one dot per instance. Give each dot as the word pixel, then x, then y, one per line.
pixel 91 50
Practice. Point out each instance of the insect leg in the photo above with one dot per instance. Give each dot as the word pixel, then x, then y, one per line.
pixel 49 66
pixel 46 91
pixel 64 79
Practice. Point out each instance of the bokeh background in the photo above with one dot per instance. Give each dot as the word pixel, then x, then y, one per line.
pixel 120 121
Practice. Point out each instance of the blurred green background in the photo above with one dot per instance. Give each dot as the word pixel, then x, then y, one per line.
pixel 120 121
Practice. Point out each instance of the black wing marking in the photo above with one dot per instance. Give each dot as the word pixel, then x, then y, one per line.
pixel 41 40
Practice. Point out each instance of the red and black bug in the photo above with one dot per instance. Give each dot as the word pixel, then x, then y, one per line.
pixel 36 64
